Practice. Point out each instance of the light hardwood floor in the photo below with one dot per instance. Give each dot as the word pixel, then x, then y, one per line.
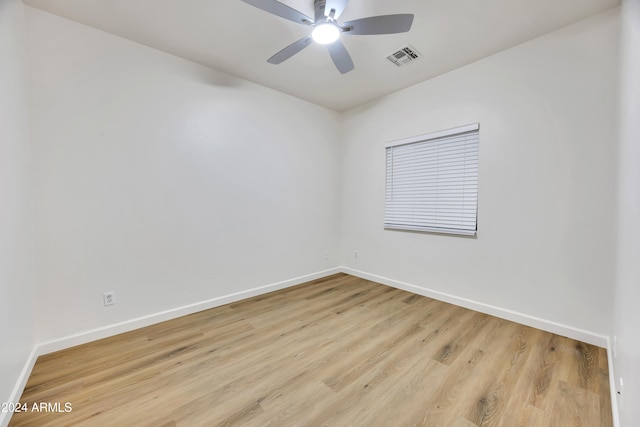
pixel 339 351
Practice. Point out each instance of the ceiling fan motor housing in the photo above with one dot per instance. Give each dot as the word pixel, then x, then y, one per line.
pixel 319 13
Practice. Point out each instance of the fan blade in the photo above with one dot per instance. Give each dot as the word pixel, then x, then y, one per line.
pixel 336 5
pixel 282 10
pixel 289 51
pixel 385 24
pixel 340 57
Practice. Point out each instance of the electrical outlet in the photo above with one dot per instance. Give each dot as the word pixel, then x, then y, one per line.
pixel 355 255
pixel 109 298
pixel 621 389
pixel 326 256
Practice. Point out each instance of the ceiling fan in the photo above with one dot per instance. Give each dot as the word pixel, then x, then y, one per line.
pixel 326 29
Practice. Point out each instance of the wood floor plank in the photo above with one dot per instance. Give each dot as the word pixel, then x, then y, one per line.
pixel 442 405
pixel 573 406
pixel 337 351
pixel 502 375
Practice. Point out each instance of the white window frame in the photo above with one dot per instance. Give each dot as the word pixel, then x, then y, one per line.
pixel 417 209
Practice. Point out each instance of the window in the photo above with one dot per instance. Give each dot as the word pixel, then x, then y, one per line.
pixel 432 182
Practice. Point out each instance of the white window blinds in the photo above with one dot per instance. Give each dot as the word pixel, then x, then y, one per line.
pixel 432 182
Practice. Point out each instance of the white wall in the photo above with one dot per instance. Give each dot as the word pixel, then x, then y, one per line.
pixel 165 181
pixel 546 187
pixel 627 291
pixel 16 209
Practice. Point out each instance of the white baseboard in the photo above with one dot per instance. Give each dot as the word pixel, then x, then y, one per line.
pixel 612 386
pixel 5 417
pixel 503 313
pixel 140 322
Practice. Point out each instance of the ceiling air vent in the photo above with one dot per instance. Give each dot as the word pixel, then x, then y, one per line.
pixel 404 56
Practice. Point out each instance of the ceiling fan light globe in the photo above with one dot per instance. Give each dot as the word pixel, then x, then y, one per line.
pixel 325 33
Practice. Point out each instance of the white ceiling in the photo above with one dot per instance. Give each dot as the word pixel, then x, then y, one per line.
pixel 234 37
